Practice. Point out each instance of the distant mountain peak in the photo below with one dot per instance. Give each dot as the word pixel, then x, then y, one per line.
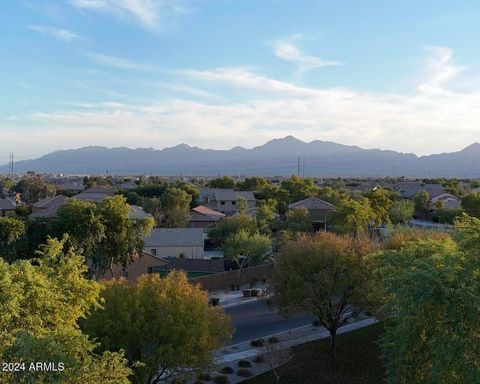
pixel 475 147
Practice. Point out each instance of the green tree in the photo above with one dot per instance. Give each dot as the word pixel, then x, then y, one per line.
pixel 224 182
pixel 253 184
pixel 153 205
pixel 246 248
pixel 471 204
pixel 430 296
pixel 10 232
pixel 266 214
pixel 401 211
pixel 123 238
pixel 353 217
pixel 297 220
pixel 165 324
pixel 242 205
pixel 323 275
pixel 33 188
pixel 175 208
pixel 229 226
pixel 380 202
pixel 82 222
pixel 42 301
pixel 421 202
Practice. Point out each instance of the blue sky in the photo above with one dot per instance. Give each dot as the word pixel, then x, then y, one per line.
pixel 400 75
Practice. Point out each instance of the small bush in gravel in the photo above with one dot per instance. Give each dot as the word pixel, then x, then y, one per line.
pixel 316 323
pixel 273 340
pixel 244 364
pixel 221 379
pixel 227 370
pixel 204 377
pixel 244 372
pixel 257 343
pixel 259 359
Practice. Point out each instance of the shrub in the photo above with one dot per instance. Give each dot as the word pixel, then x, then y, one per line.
pixel 257 343
pixel 204 377
pixel 244 372
pixel 316 323
pixel 259 359
pixel 244 364
pixel 227 370
pixel 221 379
pixel 273 340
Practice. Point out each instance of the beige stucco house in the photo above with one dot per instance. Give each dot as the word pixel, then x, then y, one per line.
pixel 175 242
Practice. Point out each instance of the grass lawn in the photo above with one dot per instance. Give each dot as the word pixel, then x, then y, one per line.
pixel 358 361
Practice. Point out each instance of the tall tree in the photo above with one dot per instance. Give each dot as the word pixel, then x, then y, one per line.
pixel 224 182
pixel 380 202
pixel 10 232
pixel 165 324
pixel 297 220
pixel 323 275
pixel 471 204
pixel 42 301
pixel 353 217
pixel 175 208
pixel 246 248
pixel 229 226
pixel 401 211
pixel 430 295
pixel 33 188
pixel 266 214
pixel 421 203
pixel 123 238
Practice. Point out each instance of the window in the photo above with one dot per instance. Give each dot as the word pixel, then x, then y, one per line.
pixel 234 202
pixel 154 251
pixel 222 202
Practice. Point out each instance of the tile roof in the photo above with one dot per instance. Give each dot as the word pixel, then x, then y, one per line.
pixel 226 194
pixel 50 201
pixel 210 213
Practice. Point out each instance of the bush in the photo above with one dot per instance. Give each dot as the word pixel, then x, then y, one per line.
pixel 204 377
pixel 273 340
pixel 316 323
pixel 244 372
pixel 259 359
pixel 227 370
pixel 221 379
pixel 257 343
pixel 244 364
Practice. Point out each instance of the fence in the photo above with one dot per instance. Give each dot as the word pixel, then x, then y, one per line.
pixel 235 278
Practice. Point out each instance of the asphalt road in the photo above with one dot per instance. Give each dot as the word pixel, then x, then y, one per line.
pixel 254 320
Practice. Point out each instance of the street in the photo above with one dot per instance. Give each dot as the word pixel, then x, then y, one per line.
pixel 254 320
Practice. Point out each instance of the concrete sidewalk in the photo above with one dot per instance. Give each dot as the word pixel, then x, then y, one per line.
pixel 290 338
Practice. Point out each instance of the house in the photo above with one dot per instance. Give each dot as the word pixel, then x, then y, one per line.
pixel 48 207
pixel 175 242
pixel 95 195
pixel 225 200
pixel 203 217
pixel 318 211
pixel 6 206
pixel 444 200
pixel 141 265
pixel 409 189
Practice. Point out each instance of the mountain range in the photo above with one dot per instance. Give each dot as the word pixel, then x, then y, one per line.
pixel 278 157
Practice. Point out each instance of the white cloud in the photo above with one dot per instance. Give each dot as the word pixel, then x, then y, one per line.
pixel 119 62
pixel 419 121
pixel 57 33
pixel 287 50
pixel 150 14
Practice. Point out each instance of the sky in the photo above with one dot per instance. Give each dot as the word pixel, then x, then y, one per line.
pixel 400 75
